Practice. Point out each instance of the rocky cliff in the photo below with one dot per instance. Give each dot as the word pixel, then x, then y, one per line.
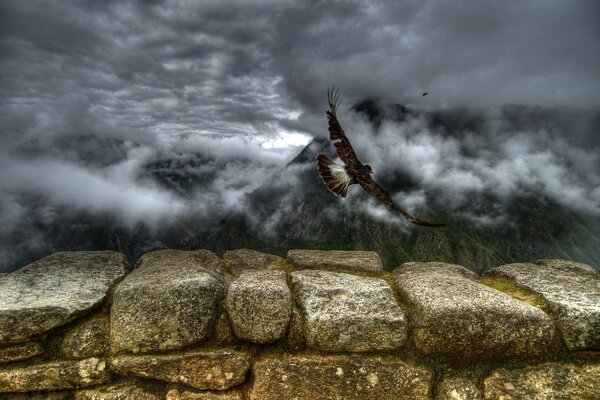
pixel 317 325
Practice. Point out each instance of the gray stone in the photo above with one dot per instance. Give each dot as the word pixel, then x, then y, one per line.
pixel 454 316
pixel 55 375
pixel 338 377
pixel 171 300
pixel 343 312
pixel 201 369
pixel 336 260
pixel 572 292
pixel 544 382
pixel 457 389
pixel 125 390
pixel 240 260
pixel 88 338
pixel 259 304
pixel 176 394
pixel 55 290
pixel 19 352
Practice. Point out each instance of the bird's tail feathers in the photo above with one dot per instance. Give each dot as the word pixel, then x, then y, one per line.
pixel 334 175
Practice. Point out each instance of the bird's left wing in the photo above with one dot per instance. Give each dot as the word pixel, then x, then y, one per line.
pixel 343 147
pixel 377 191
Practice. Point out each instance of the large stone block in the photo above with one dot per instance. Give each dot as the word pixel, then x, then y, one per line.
pixel 544 382
pixel 457 389
pixel 240 260
pixel 571 291
pixel 200 369
pixel 452 315
pixel 55 290
pixel 170 301
pixel 259 304
pixel 343 312
pixel 338 377
pixel 336 260
pixel 54 376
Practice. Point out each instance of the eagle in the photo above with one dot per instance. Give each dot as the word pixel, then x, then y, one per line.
pixel 338 178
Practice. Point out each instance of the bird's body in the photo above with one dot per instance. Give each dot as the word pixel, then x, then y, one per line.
pixel 338 178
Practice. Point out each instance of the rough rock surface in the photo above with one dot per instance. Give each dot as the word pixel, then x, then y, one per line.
pixel 21 351
pixel 338 377
pixel 343 312
pixel 54 290
pixel 125 390
pixel 240 260
pixel 201 369
pixel 176 394
pixel 259 304
pixel 336 260
pixel 170 301
pixel 544 382
pixel 454 316
pixel 572 292
pixel 59 395
pixel 54 376
pixel 457 389
pixel 88 338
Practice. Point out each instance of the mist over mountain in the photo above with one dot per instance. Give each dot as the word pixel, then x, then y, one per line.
pixel 513 183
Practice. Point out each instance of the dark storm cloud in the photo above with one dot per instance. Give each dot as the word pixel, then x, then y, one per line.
pixel 95 94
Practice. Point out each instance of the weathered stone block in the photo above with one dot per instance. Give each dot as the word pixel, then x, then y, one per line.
pixel 88 338
pixel 544 382
pixel 338 377
pixel 259 304
pixel 21 351
pixel 457 389
pixel 343 312
pixel 571 291
pixel 240 260
pixel 55 290
pixel 170 301
pixel 54 376
pixel 201 369
pixel 125 390
pixel 454 316
pixel 336 260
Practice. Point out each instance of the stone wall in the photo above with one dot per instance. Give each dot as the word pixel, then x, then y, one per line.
pixel 317 325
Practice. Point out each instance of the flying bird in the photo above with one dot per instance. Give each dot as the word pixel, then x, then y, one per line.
pixel 338 178
pixel 425 93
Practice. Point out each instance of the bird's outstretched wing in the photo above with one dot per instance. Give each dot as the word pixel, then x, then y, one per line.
pixel 343 147
pixel 377 191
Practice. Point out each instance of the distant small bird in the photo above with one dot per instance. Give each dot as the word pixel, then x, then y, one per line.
pixel 425 94
pixel 338 178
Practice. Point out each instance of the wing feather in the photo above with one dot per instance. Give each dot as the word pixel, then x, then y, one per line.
pixel 343 147
pixel 372 188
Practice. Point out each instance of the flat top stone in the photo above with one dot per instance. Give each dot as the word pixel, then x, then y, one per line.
pixel 54 290
pixel 453 315
pixel 344 312
pixel 171 300
pixel 239 260
pixel 336 260
pixel 571 289
pixel 162 267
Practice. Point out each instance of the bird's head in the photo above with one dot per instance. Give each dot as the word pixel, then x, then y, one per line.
pixel 369 169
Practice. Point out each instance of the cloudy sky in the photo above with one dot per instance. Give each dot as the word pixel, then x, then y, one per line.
pixel 91 92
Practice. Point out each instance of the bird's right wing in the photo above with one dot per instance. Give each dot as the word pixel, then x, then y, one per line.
pixel 343 147
pixel 377 191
